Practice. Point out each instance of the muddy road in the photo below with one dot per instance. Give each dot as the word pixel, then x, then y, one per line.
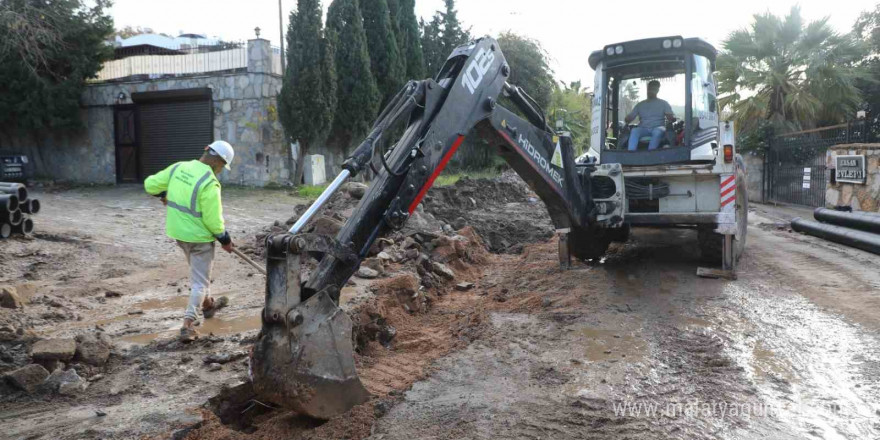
pixel 638 347
pixel 635 346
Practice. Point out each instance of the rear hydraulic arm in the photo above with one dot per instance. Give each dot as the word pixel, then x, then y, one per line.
pixel 436 115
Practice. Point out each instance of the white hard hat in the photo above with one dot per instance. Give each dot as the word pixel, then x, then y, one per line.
pixel 224 150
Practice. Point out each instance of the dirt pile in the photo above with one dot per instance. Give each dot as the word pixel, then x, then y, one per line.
pixel 503 210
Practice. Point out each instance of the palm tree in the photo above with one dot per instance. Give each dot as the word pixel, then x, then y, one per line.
pixel 789 74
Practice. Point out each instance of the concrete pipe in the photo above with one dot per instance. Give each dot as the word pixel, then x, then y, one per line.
pixel 856 220
pixel 25 227
pixel 9 203
pixel 865 241
pixel 5 230
pixel 31 206
pixel 17 189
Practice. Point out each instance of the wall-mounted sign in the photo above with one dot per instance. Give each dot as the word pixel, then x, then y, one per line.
pixel 850 169
pixel 807 178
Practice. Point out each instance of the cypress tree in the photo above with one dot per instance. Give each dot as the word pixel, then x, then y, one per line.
pixel 409 41
pixel 358 95
pixel 441 36
pixel 48 50
pixel 394 12
pixel 308 93
pixel 385 60
pixel 453 35
pixel 432 46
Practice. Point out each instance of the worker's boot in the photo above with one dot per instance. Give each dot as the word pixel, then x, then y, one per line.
pixel 215 305
pixel 188 334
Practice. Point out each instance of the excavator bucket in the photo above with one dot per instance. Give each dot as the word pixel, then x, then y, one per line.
pixel 304 357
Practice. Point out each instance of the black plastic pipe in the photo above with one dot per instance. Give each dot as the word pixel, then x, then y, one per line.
pixel 11 217
pixel 25 227
pixel 857 220
pixel 865 241
pixel 14 188
pixel 30 206
pixel 8 203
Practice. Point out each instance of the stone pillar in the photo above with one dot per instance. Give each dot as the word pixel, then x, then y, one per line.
pixel 259 56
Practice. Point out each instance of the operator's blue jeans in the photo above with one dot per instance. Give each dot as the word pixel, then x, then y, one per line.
pixel 637 133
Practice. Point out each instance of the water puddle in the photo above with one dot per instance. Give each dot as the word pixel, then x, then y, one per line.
pixel 603 345
pixel 805 363
pixel 175 302
pixel 216 326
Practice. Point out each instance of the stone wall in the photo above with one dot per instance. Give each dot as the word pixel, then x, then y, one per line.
pixel 860 197
pixel 86 156
pixel 754 176
pixel 245 115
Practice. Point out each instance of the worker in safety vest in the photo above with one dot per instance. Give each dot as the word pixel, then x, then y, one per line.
pixel 194 218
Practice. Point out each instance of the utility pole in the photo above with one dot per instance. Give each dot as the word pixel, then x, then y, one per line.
pixel 281 31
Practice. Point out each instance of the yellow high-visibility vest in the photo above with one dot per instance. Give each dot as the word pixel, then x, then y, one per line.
pixel 195 213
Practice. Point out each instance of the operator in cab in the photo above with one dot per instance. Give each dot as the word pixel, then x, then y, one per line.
pixel 194 219
pixel 652 114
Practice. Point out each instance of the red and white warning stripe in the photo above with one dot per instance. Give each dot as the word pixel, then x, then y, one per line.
pixel 728 192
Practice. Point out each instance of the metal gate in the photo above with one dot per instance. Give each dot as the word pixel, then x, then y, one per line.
pixel 795 162
pixel 173 126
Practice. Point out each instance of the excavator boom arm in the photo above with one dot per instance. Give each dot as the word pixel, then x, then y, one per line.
pixel 303 358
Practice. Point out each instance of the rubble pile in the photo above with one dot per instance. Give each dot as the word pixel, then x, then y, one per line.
pixel 60 366
pixel 503 210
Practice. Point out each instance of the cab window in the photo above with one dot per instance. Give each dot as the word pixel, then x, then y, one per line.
pixel 703 93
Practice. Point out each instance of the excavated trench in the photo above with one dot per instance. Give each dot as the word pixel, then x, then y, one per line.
pixel 416 312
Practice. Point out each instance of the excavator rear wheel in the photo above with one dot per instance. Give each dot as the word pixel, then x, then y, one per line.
pixel 588 244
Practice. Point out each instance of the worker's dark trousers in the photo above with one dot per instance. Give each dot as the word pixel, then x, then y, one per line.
pixel 200 257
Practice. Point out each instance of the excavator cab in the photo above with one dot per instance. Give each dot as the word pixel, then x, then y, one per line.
pixel 683 67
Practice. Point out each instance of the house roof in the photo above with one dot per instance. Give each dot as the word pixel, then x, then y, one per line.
pixel 167 42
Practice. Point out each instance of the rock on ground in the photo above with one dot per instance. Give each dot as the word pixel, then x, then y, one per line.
pixel 367 273
pixel 356 190
pixel 326 226
pixel 442 270
pixel 66 383
pixel 53 350
pixel 28 377
pixel 9 298
pixel 375 264
pixel 92 349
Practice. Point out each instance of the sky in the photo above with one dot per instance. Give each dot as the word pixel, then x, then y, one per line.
pixel 568 29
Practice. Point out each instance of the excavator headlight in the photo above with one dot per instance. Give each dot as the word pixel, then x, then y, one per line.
pixel 676 43
pixel 618 50
pixel 610 51
pixel 667 44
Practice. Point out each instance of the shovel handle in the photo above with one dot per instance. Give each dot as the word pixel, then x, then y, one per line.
pixel 249 261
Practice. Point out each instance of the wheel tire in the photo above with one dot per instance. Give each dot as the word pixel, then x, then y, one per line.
pixel 711 243
pixel 619 235
pixel 588 244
